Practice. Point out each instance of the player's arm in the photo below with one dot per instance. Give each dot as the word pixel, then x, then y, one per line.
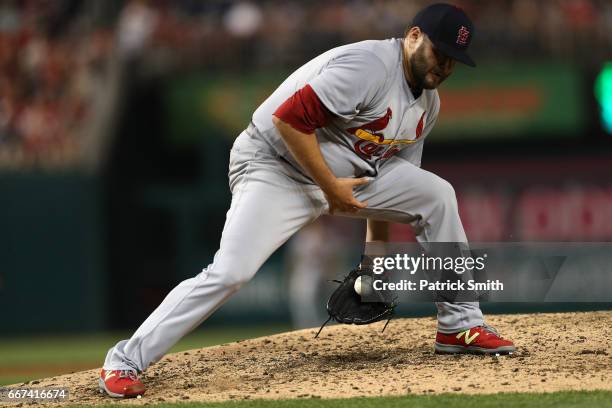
pixel 350 83
pixel 305 149
pixel 296 120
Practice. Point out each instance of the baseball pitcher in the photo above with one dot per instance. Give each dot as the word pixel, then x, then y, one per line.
pixel 342 135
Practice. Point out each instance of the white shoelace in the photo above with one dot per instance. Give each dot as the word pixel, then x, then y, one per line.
pixel 131 374
pixel 491 329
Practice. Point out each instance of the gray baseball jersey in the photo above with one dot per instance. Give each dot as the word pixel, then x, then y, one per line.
pixel 376 114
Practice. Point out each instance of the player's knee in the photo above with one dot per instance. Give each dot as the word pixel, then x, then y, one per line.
pixel 442 193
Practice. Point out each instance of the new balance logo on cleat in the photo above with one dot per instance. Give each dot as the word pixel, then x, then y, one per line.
pixel 468 339
pixel 109 374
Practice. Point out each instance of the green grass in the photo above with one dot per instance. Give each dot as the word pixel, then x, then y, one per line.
pixel 569 399
pixel 28 358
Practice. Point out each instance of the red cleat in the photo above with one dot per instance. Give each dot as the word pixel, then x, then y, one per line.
pixel 120 383
pixel 478 340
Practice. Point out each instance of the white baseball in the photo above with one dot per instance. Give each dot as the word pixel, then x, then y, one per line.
pixel 357 285
pixel 363 287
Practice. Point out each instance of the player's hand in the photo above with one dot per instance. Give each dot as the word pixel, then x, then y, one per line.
pixel 340 197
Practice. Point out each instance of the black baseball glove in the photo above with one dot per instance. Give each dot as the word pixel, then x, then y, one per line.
pixel 346 306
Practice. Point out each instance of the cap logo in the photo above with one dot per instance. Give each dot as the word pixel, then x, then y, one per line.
pixel 463 35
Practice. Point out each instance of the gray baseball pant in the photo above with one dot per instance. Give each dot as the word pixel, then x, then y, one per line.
pixel 271 202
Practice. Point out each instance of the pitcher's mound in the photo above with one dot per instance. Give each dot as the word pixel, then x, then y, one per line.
pixel 563 351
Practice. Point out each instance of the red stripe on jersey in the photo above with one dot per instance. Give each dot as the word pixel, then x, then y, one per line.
pixel 304 111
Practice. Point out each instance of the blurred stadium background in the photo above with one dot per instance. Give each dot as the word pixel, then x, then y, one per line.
pixel 116 120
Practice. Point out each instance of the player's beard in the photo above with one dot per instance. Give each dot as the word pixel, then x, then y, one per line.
pixel 419 68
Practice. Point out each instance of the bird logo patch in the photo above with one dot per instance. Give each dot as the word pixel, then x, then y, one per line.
pixel 373 143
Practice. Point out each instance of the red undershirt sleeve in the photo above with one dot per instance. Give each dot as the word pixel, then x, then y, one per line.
pixel 304 111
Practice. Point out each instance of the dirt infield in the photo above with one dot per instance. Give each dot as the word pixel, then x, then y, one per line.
pixel 568 351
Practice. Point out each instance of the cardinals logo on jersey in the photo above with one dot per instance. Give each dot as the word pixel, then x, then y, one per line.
pixel 372 142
